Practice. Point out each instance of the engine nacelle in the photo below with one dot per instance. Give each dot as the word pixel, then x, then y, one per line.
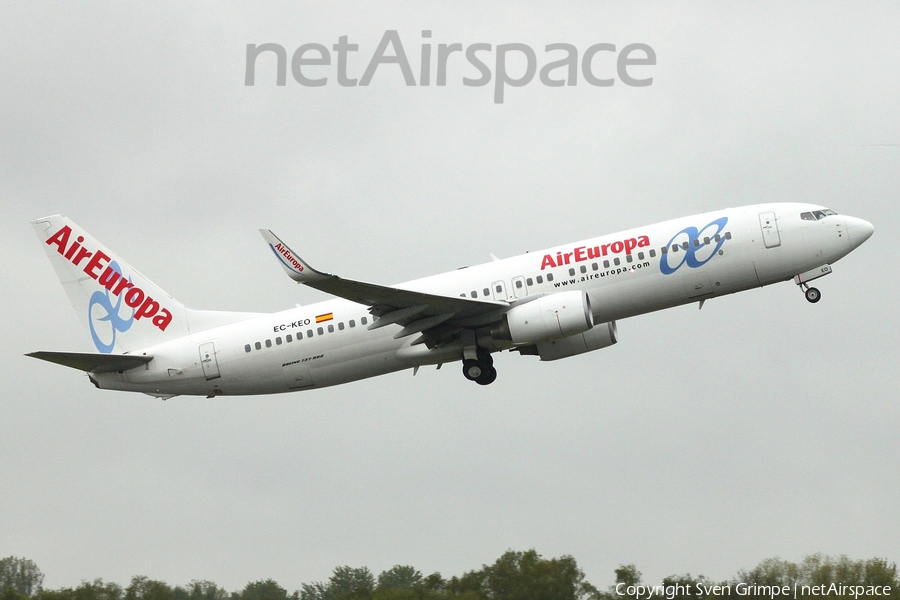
pixel 548 318
pixel 601 336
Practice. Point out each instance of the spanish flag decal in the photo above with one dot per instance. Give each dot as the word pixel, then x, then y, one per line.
pixel 325 317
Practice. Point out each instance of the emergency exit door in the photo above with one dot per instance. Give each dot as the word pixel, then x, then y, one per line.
pixel 208 361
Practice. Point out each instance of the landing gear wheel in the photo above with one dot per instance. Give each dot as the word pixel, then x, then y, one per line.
pixel 813 295
pixel 473 369
pixel 487 377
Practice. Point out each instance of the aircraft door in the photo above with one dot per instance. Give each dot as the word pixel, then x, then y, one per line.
pixel 769 225
pixel 499 289
pixel 296 375
pixel 520 290
pixel 208 361
pixel 697 285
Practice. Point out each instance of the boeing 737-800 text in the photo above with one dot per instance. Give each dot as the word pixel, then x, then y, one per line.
pixel 554 304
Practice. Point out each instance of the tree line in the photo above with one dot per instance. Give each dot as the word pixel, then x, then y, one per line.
pixel 514 576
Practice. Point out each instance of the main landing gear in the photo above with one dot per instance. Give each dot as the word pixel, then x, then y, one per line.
pixel 812 294
pixel 480 370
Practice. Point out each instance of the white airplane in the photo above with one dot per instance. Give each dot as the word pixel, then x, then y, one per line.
pixel 554 303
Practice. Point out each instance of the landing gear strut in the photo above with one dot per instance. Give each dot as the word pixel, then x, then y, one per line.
pixel 812 294
pixel 480 370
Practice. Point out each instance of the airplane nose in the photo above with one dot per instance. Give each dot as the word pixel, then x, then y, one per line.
pixel 859 230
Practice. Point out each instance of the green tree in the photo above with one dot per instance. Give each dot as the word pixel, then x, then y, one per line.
pixel 349 583
pixel 685 587
pixel 345 583
pixel 525 576
pixel 10 593
pixel 265 590
pixel 144 588
pixel 399 577
pixel 22 575
pixel 205 590
pixel 88 590
pixel 626 576
pixel 817 570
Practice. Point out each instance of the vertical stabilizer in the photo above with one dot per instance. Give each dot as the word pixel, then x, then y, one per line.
pixel 123 310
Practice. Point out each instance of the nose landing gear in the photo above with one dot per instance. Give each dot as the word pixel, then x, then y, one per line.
pixel 812 294
pixel 480 370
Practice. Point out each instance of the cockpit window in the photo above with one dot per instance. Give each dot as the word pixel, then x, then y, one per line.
pixel 815 215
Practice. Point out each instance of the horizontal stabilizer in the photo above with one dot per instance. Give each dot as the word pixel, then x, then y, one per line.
pixel 96 363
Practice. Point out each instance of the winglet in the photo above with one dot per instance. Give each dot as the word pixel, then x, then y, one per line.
pixel 296 268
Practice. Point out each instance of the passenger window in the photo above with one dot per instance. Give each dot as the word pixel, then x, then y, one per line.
pixel 529 281
pixel 309 333
pixel 684 245
pixel 675 248
pixel 727 235
pixel 706 240
pixel 499 288
pixel 629 258
pixel 652 253
pixel 595 266
pixel 540 279
pixel 352 323
pixel 486 292
pixel 363 320
pixel 664 249
pixel 268 343
pixel 718 238
pixel 640 256
pixel 518 284
pixel 341 325
pixel 605 264
pixel 331 329
pixel 473 293
pixel 696 243
pixel 299 335
pixel 549 276
pixel 571 271
pixel 320 331
pixel 616 261
pixel 247 348
pixel 258 346
pixel 462 295
pixel 278 341
pixel 288 338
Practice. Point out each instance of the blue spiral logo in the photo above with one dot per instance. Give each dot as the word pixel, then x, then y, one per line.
pixel 690 254
pixel 107 320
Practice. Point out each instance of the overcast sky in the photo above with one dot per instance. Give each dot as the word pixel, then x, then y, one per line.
pixel 704 442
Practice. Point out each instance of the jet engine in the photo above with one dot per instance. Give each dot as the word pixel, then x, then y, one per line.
pixel 547 318
pixel 601 335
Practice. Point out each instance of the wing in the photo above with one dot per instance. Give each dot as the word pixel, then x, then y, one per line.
pixel 435 315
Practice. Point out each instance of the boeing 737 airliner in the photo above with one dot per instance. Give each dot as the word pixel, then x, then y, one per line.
pixel 553 304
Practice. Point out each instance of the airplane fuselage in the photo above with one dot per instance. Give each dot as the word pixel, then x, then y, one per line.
pixel 624 274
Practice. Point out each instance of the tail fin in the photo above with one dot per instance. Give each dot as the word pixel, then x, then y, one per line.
pixel 123 310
